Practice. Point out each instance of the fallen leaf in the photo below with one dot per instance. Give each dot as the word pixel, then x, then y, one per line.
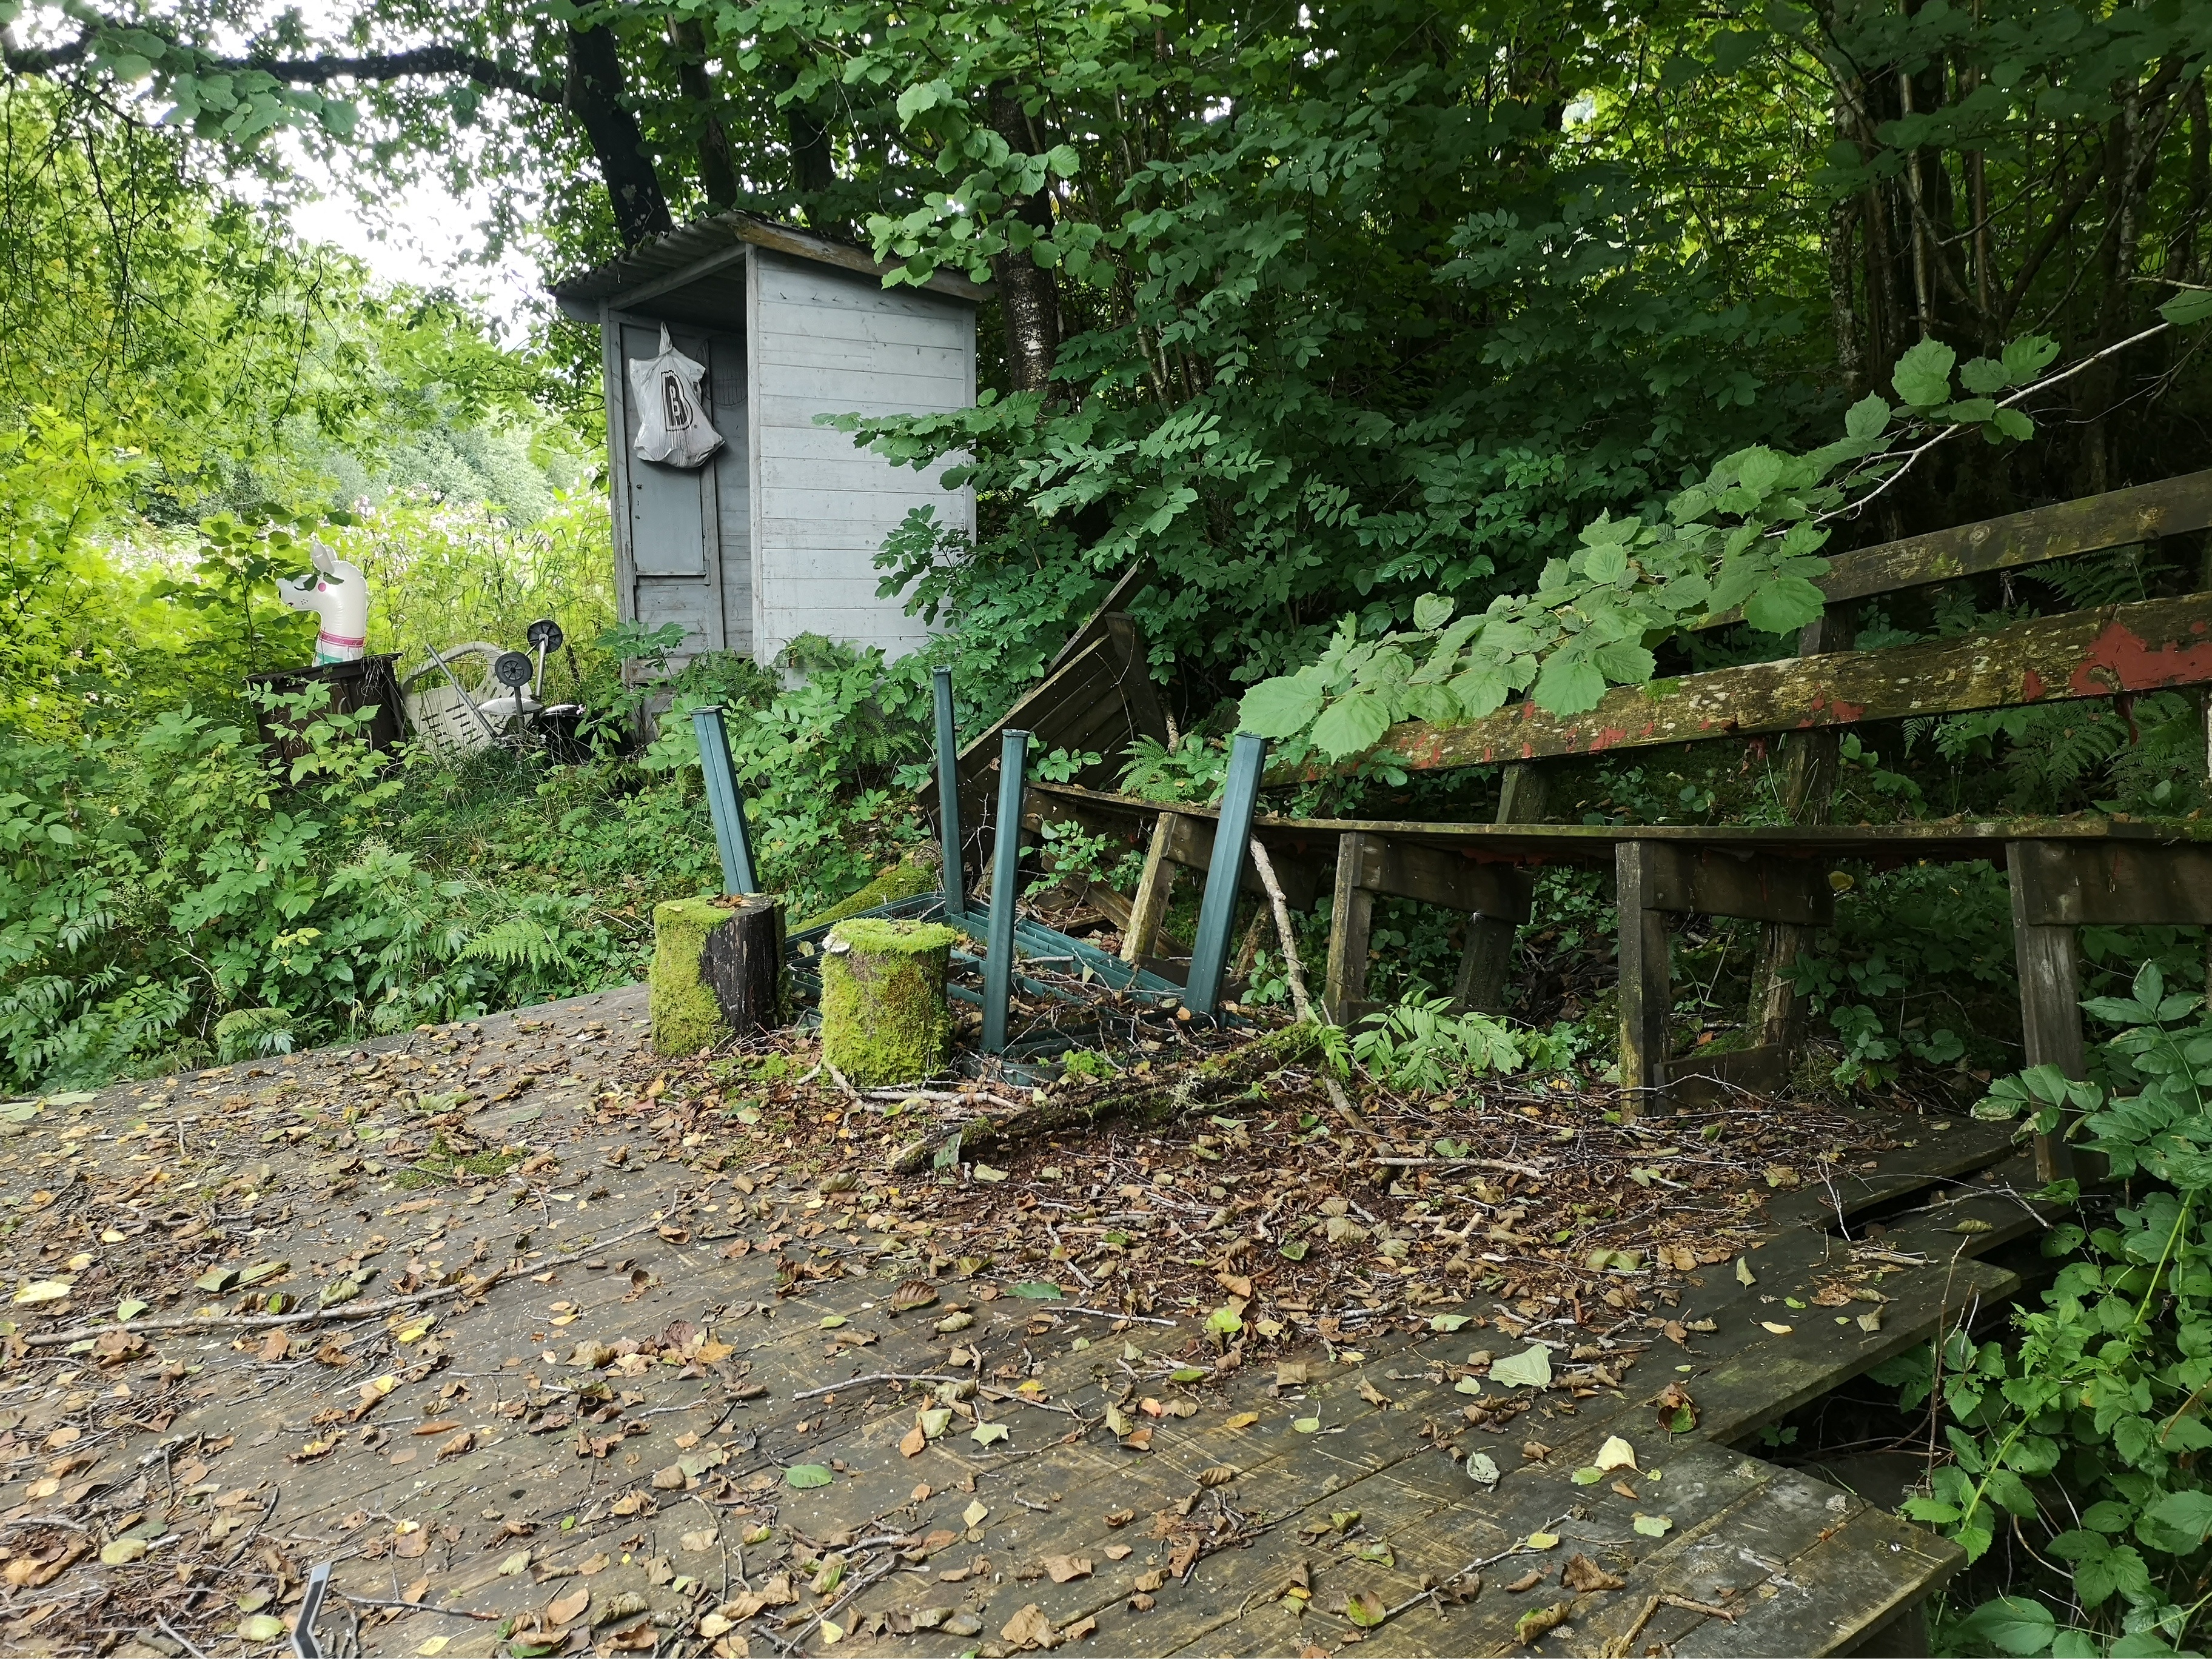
pixel 976 1512
pixel 43 1292
pixel 1583 1575
pixel 1743 1275
pixel 913 1442
pixel 116 1553
pixel 1365 1608
pixel 1534 1577
pixel 1030 1629
pixel 1532 1367
pixel 1063 1569
pixel 804 1477
pixel 1616 1454
pixel 1777 1327
pixel 1541 1542
pixel 1536 1622
pixel 1654 1527
pixel 562 1610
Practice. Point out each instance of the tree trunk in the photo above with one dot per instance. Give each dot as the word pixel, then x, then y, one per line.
pixel 594 97
pixel 718 173
pixel 742 964
pixel 1029 293
pixel 884 1019
pixel 717 972
pixel 813 165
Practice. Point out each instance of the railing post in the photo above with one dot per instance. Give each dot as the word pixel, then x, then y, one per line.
pixel 1224 873
pixel 725 804
pixel 1006 890
pixel 948 799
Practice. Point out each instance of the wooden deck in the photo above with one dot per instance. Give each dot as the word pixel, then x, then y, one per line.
pixel 489 1485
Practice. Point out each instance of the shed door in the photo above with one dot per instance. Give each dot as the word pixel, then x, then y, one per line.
pixel 672 518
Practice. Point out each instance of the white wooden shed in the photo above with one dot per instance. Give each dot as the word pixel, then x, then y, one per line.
pixel 775 535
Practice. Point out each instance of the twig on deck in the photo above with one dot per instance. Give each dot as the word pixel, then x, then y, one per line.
pixel 1519 1548
pixel 420 1608
pixel 1111 1314
pixel 891 1562
pixel 176 1637
pixel 1293 972
pixel 1652 1605
pixel 1507 1165
pixel 880 1378
pixel 344 1312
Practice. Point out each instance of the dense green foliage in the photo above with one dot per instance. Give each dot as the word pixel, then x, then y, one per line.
pixel 2085 1432
pixel 1418 359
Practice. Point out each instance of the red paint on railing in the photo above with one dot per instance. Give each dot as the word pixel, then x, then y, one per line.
pixel 2120 660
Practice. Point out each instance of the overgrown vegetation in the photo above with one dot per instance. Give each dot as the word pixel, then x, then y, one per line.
pixel 1420 360
pixel 2071 1450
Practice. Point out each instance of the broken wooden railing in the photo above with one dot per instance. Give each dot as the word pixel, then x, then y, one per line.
pixel 2063 873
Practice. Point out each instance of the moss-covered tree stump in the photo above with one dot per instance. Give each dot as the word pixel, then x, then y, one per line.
pixel 885 1020
pixel 717 970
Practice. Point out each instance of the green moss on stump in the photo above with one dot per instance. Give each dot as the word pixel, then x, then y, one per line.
pixel 686 1019
pixel 885 1020
pixel 909 877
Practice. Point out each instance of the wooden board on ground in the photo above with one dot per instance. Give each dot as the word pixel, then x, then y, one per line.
pixel 610 1434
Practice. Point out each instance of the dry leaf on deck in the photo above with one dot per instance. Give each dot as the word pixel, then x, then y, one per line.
pixel 1030 1629
pixel 563 1609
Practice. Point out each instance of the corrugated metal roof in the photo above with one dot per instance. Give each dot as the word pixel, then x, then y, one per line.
pixel 669 256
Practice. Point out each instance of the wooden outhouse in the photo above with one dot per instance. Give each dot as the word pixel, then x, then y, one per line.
pixel 774 533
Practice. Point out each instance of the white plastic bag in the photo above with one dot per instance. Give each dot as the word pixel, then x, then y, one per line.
pixel 671 414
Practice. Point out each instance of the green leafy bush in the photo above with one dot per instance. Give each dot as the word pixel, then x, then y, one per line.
pixel 1745 541
pixel 1419 1047
pixel 2087 1431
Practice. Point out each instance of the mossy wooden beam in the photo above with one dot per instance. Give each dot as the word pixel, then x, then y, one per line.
pixel 1149 1099
pixel 914 875
pixel 885 1018
pixel 2143 647
pixel 2168 507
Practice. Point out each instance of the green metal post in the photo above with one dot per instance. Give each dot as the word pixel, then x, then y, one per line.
pixel 1005 888
pixel 948 799
pixel 726 803
pixel 1224 872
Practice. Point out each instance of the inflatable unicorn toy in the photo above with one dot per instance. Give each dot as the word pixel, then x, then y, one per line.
pixel 336 591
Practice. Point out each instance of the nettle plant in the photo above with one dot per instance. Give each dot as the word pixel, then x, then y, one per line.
pixel 1744 542
pixel 2088 1430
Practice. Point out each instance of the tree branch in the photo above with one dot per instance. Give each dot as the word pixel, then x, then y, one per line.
pixel 41 60
pixel 399 66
